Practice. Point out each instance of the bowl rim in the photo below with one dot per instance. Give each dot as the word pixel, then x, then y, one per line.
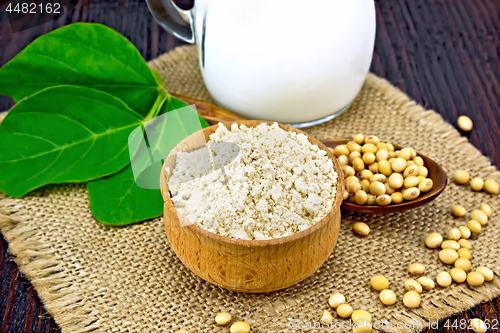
pixel 263 242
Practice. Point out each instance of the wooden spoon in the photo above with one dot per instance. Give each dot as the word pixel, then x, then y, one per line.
pixel 214 114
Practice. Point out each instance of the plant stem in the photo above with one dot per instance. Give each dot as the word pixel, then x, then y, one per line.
pixel 163 96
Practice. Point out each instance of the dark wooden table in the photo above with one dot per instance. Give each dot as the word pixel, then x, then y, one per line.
pixel 443 53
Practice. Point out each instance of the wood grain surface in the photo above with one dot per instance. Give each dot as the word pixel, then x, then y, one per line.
pixel 443 53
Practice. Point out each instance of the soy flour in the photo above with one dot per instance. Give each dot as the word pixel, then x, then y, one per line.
pixel 277 185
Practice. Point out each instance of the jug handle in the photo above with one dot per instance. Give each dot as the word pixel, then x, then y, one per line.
pixel 168 15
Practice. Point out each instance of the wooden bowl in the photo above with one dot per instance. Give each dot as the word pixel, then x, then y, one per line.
pixel 436 173
pixel 251 266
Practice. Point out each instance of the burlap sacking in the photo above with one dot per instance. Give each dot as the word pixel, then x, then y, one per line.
pixel 95 278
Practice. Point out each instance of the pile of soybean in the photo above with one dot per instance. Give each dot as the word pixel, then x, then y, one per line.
pixel 378 174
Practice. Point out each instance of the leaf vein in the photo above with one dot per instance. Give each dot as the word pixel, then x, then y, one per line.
pixel 100 52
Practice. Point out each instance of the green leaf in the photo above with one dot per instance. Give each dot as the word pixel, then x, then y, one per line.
pixel 158 78
pixel 117 199
pixel 63 134
pixel 82 54
pixel 174 103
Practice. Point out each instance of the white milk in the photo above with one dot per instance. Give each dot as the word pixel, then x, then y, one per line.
pixel 290 61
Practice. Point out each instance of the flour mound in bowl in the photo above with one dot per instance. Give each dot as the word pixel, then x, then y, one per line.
pixel 278 184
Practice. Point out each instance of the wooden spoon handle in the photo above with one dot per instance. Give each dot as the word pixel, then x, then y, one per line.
pixel 212 113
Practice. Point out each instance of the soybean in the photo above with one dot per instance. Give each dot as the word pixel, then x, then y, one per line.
pixel 336 299
pixel 486 272
pixel 458 210
pixel 458 275
pixel 464 253
pixel 419 161
pixel 411 170
pixel 341 150
pixel 478 325
pixel 454 234
pixel 358 164
pixel 411 299
pixel 352 184
pixel 411 193
pixel 361 316
pixel 422 171
pixel 475 279
pixel 406 153
pixel 348 171
pixel 362 328
pixel 344 310
pixel 461 177
pixel 359 139
pixel 443 279
pixel 448 256
pixel 416 269
pixel 365 185
pixel 369 148
pixel 379 282
pixel 383 200
pixel 387 296
pixel 343 160
pixel 476 184
pixel 464 123
pixel 464 232
pixel 426 282
pixel 361 228
pixel 354 155
pixel 240 327
pixel 371 199
pixel 412 285
pixel 327 317
pixel 397 197
pixel 373 167
pixel 433 240
pixel 353 146
pixel 368 158
pixel 360 197
pixel 486 209
pixel 450 244
pixel 491 186
pixel 425 185
pixel 382 145
pixel 474 226
pixel 399 164
pixel 396 180
pixel 377 188
pixel 382 154
pixel 365 174
pixel 465 244
pixel 411 181
pixel 385 167
pixel 378 177
pixel 223 318
pixel 479 216
pixel 388 189
pixel 463 263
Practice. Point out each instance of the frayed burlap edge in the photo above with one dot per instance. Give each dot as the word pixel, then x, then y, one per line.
pixel 39 264
pixel 63 301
